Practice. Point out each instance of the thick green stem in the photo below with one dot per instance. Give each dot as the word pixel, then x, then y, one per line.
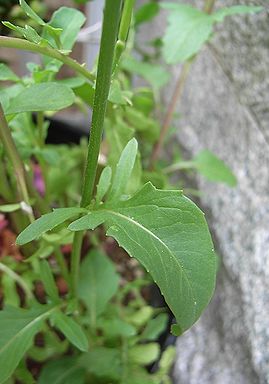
pixel 12 42
pixel 108 41
pixel 123 30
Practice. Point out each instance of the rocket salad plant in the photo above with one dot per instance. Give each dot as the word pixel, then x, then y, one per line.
pixel 86 325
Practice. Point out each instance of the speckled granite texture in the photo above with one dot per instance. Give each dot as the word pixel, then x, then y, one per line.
pixel 225 108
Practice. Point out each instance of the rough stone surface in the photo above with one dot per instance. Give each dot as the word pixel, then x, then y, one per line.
pixel 225 109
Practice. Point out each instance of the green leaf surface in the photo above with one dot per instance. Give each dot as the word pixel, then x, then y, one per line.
pixel 72 330
pixel 17 330
pixel 213 168
pixel 123 170
pixel 7 74
pixel 235 10
pixel 63 371
pixel 156 75
pixel 48 281
pixel 168 234
pixel 10 207
pixel 103 184
pixel 155 327
pixel 42 97
pixel 30 12
pixel 103 363
pixel 188 29
pixel 144 354
pixel 46 223
pixel 98 283
pixel 146 12
pixel 70 20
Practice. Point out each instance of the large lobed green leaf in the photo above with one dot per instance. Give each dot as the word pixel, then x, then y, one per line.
pixel 168 234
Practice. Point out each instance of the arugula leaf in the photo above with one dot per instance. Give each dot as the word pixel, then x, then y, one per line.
pixel 168 234
pixel 154 74
pixel 98 283
pixel 235 10
pixel 189 28
pixel 69 20
pixel 7 74
pixel 66 370
pixel 103 363
pixel 213 168
pixel 46 223
pixel 103 184
pixel 48 281
pixel 30 13
pixel 17 330
pixel 42 97
pixel 72 330
pixel 144 354
pixel 123 170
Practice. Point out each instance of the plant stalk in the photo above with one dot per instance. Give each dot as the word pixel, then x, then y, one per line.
pixel 112 13
pixel 13 42
pixel 180 83
pixel 15 159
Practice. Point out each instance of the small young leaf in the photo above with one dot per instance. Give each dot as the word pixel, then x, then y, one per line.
pixel 123 170
pixel 155 327
pixel 146 12
pixel 103 363
pixel 10 207
pixel 17 330
pixel 28 32
pixel 47 223
pixel 235 10
pixel 103 185
pixel 188 29
pixel 167 359
pixel 48 281
pixel 213 168
pixel 98 283
pixel 168 234
pixel 144 354
pixel 42 97
pixel 72 330
pixel 66 370
pixel 7 74
pixel 29 12
pixel 156 75
pixel 69 20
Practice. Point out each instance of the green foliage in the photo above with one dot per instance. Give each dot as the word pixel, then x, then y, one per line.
pixel 188 29
pixel 98 283
pixel 46 223
pixel 94 324
pixel 71 329
pixel 167 226
pixel 17 330
pixel 7 74
pixel 66 370
pixel 213 168
pixel 41 97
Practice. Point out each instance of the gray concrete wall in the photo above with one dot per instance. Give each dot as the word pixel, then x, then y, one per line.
pixel 225 108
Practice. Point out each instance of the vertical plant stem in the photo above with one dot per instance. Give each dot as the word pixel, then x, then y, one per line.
pixel 170 112
pixel 123 30
pixel 16 161
pixel 107 48
pixel 180 83
pixel 62 264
